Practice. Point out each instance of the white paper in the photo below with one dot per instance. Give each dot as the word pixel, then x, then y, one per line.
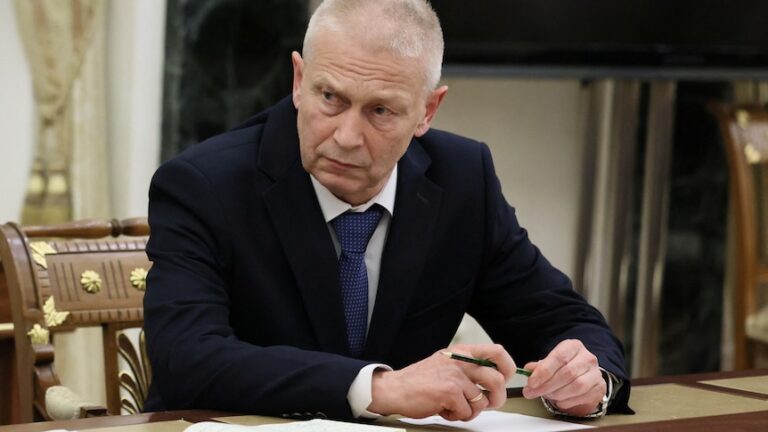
pixel 316 425
pixel 497 421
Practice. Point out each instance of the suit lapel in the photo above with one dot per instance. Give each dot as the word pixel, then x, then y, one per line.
pixel 293 208
pixel 410 233
pixel 299 223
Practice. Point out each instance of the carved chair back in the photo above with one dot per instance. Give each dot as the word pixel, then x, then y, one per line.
pixel 79 274
pixel 745 133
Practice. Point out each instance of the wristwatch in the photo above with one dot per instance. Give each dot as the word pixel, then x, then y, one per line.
pixel 612 383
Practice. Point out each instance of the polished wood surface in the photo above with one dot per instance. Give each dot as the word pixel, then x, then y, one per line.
pixel 745 421
pixel 91 228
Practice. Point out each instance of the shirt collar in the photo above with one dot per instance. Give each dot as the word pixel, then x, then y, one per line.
pixel 332 206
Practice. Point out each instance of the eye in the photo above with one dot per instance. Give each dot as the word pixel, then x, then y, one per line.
pixel 328 96
pixel 382 111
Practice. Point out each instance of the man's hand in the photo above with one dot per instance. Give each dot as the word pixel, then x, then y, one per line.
pixel 569 377
pixel 443 386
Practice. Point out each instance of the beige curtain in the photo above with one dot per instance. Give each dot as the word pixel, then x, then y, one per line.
pixel 64 41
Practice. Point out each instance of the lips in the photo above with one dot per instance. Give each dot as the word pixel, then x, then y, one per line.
pixel 339 164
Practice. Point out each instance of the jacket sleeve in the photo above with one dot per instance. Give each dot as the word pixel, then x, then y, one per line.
pixel 526 304
pixel 197 360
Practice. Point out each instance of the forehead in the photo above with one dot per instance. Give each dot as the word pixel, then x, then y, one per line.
pixel 345 64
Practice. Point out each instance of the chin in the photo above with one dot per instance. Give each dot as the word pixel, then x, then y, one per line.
pixel 337 186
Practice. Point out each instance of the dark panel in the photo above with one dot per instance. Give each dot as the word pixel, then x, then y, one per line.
pixel 225 61
pixel 657 33
pixel 692 296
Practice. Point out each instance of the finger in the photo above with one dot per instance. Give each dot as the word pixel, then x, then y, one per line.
pixel 458 405
pixel 561 355
pixel 561 381
pixel 585 363
pixel 568 372
pixel 476 400
pixel 458 409
pixel 478 404
pixel 580 386
pixel 455 407
pixel 492 381
pixel 494 352
pixel 531 365
pixel 583 404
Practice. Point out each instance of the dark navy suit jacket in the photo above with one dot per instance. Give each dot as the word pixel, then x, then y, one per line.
pixel 243 310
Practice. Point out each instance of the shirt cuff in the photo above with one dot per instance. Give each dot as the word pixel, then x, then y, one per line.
pixel 360 393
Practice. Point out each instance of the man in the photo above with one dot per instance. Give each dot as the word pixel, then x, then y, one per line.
pixel 317 260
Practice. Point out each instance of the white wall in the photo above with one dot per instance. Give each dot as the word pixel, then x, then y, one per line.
pixel 535 129
pixel 136 42
pixel 16 117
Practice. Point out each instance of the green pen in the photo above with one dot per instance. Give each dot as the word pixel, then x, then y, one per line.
pixel 482 362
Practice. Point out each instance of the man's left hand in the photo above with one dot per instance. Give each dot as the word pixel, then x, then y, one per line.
pixel 568 377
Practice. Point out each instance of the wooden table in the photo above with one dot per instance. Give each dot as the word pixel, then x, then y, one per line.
pixel 725 401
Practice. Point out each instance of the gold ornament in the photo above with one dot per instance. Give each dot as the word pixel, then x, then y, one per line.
pixel 39 335
pixel 742 118
pixel 753 156
pixel 39 250
pixel 91 281
pixel 52 316
pixel 139 279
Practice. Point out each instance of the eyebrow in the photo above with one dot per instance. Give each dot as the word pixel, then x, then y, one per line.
pixel 385 97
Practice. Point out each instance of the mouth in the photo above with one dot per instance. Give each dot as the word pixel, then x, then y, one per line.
pixel 338 164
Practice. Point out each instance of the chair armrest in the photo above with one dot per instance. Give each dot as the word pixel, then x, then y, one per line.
pixel 61 403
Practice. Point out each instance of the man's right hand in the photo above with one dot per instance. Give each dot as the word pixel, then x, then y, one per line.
pixel 443 386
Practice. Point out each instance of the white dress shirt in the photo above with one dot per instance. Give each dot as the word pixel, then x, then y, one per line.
pixel 360 392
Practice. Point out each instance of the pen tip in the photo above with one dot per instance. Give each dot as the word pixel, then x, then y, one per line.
pixel 447 353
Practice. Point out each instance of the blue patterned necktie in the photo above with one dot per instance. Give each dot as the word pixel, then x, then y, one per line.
pixel 354 230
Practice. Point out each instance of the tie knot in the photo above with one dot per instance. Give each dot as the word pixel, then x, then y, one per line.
pixel 354 229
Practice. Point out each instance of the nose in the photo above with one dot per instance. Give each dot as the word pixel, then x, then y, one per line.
pixel 349 131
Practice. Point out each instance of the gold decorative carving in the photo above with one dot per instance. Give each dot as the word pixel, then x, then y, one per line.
pixel 136 381
pixel 742 117
pixel 753 156
pixel 38 335
pixel 91 281
pixel 139 278
pixel 39 250
pixel 52 316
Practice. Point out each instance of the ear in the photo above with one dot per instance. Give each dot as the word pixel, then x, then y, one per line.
pixel 298 75
pixel 434 99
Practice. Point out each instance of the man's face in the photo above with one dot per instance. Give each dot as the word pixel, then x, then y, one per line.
pixel 357 113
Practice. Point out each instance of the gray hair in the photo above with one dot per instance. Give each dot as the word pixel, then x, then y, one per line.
pixel 409 28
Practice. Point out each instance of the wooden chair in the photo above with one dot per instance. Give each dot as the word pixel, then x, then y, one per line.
pixel 745 132
pixel 58 278
pixel 7 372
